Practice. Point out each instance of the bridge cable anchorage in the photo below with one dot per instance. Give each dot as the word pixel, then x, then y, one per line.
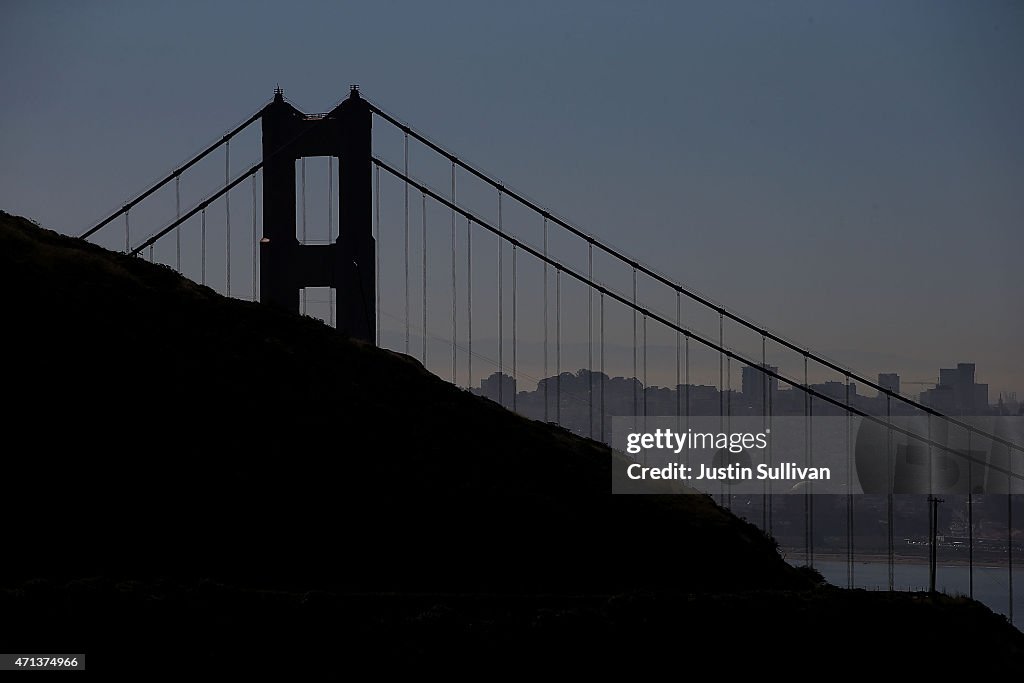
pixel 172 175
pixel 455 301
pixel 424 244
pixel 515 358
pixel 177 217
pixel 546 382
pixel 376 271
pixel 330 230
pixel 590 340
pixel 679 288
pixel 227 218
pixel 202 280
pixel 501 308
pixel 558 345
pixel 255 236
pixel 707 342
pixel 469 302
pixel 602 367
pixel 406 188
pixel 302 166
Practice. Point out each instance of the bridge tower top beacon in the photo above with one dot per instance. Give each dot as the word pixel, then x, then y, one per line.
pixel 346 264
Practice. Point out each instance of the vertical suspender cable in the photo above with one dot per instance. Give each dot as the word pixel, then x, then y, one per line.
pixel 127 233
pixel 764 425
pixel 177 216
pixel 636 408
pixel 558 345
pixel 546 378
pixel 501 308
pixel 970 520
pixel 227 219
pixel 810 484
pixel 424 242
pixel 515 357
pixel 643 386
pixel 303 174
pixel 330 230
pixel 255 237
pixel 590 338
pixel 849 491
pixel 202 274
pixel 469 302
pixel 679 351
pixel 376 256
pixel 1009 531
pixel 686 380
pixel 455 301
pixel 602 369
pixel 890 519
pixel 406 185
pixel 807 452
pixel 728 417
pixel 721 392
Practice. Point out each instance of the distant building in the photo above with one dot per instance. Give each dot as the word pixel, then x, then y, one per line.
pixel 499 387
pixel 890 381
pixel 957 393
pixel 754 385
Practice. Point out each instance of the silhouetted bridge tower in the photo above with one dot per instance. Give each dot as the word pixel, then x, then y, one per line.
pixel 347 265
pixel 505 260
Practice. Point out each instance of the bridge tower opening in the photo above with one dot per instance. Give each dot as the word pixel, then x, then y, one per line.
pixel 347 264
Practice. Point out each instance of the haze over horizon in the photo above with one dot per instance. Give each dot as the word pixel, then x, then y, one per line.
pixel 849 173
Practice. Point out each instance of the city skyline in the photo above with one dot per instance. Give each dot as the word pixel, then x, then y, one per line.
pixel 863 202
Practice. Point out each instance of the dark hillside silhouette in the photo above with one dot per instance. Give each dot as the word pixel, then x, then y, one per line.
pixel 186 470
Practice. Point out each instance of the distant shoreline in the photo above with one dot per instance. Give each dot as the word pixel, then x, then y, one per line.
pixel 794 554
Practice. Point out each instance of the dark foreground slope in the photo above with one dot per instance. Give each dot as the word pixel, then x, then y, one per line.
pixel 183 469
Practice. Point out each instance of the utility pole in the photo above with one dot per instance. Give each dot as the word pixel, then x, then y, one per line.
pixel 933 530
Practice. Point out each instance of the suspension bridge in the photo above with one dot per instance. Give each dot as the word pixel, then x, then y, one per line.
pixel 483 284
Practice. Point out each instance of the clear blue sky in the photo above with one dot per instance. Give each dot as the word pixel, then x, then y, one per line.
pixel 850 173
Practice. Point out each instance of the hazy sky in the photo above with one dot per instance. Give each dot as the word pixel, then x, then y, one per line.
pixel 849 173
